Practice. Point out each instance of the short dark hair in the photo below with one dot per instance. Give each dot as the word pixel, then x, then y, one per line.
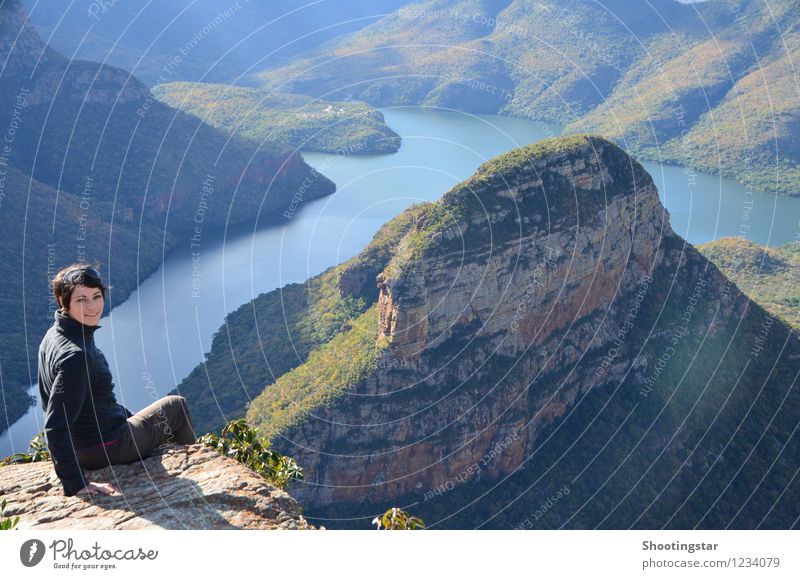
pixel 73 275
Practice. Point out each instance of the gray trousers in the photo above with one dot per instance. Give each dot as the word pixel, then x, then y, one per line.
pixel 166 422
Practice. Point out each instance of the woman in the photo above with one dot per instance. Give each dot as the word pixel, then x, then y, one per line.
pixel 83 423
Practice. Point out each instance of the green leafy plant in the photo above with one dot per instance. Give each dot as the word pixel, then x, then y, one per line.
pixel 6 524
pixel 396 519
pixel 242 443
pixel 37 452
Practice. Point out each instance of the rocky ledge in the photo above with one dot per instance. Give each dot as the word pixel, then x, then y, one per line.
pixel 187 487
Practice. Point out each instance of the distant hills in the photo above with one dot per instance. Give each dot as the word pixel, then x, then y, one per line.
pixel 343 128
pixel 707 85
pixel 768 275
pixel 95 168
pixel 197 40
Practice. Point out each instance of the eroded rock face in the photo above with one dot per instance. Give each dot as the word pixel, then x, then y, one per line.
pixel 87 83
pixel 187 487
pixel 533 285
pixel 543 270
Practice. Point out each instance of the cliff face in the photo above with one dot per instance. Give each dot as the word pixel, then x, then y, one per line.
pixel 533 279
pixel 548 282
pixel 189 487
pixel 515 281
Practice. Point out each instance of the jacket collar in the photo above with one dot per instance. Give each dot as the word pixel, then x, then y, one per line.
pixel 72 327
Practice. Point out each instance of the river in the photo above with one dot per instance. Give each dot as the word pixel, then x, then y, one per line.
pixel 167 324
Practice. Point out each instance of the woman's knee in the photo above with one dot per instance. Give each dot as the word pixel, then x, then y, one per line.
pixel 177 404
pixel 175 399
pixel 181 419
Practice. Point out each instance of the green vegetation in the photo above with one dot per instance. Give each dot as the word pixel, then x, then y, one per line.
pixel 457 222
pixel 343 128
pixel 6 524
pixel 237 441
pixel 37 452
pixel 242 443
pixel 711 444
pixel 274 333
pixel 701 85
pixel 108 174
pixel 329 372
pixel 396 519
pixel 769 276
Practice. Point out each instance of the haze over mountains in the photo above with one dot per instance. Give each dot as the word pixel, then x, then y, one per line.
pixel 202 40
pixel 536 349
pixel 95 168
pixel 712 85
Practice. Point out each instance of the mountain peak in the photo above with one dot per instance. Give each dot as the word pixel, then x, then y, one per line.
pixel 579 205
pixel 543 189
pixel 576 172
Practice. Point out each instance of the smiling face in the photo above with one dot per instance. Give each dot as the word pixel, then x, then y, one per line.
pixel 86 305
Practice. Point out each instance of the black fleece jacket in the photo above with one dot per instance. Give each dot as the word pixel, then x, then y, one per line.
pixel 77 396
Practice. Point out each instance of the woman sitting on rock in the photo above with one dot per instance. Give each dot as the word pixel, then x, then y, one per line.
pixel 83 423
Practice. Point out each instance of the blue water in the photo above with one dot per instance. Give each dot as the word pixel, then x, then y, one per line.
pixel 167 324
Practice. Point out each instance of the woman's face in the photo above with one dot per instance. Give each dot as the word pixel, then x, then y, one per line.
pixel 86 305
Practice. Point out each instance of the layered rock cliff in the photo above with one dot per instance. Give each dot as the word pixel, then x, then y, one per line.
pixel 512 281
pixel 40 73
pixel 529 257
pixel 188 487
pixel 548 286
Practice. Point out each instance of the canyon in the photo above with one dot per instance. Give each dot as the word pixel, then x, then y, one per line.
pixel 547 285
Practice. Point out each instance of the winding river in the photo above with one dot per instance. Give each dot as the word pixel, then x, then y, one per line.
pixel 167 324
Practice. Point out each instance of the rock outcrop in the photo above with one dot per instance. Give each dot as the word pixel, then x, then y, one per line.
pixel 513 272
pixel 548 283
pixel 512 282
pixel 187 487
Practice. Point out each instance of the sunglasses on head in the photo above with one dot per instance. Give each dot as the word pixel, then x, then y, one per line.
pixel 79 275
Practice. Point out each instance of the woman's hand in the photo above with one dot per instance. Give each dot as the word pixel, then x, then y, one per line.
pixel 94 488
